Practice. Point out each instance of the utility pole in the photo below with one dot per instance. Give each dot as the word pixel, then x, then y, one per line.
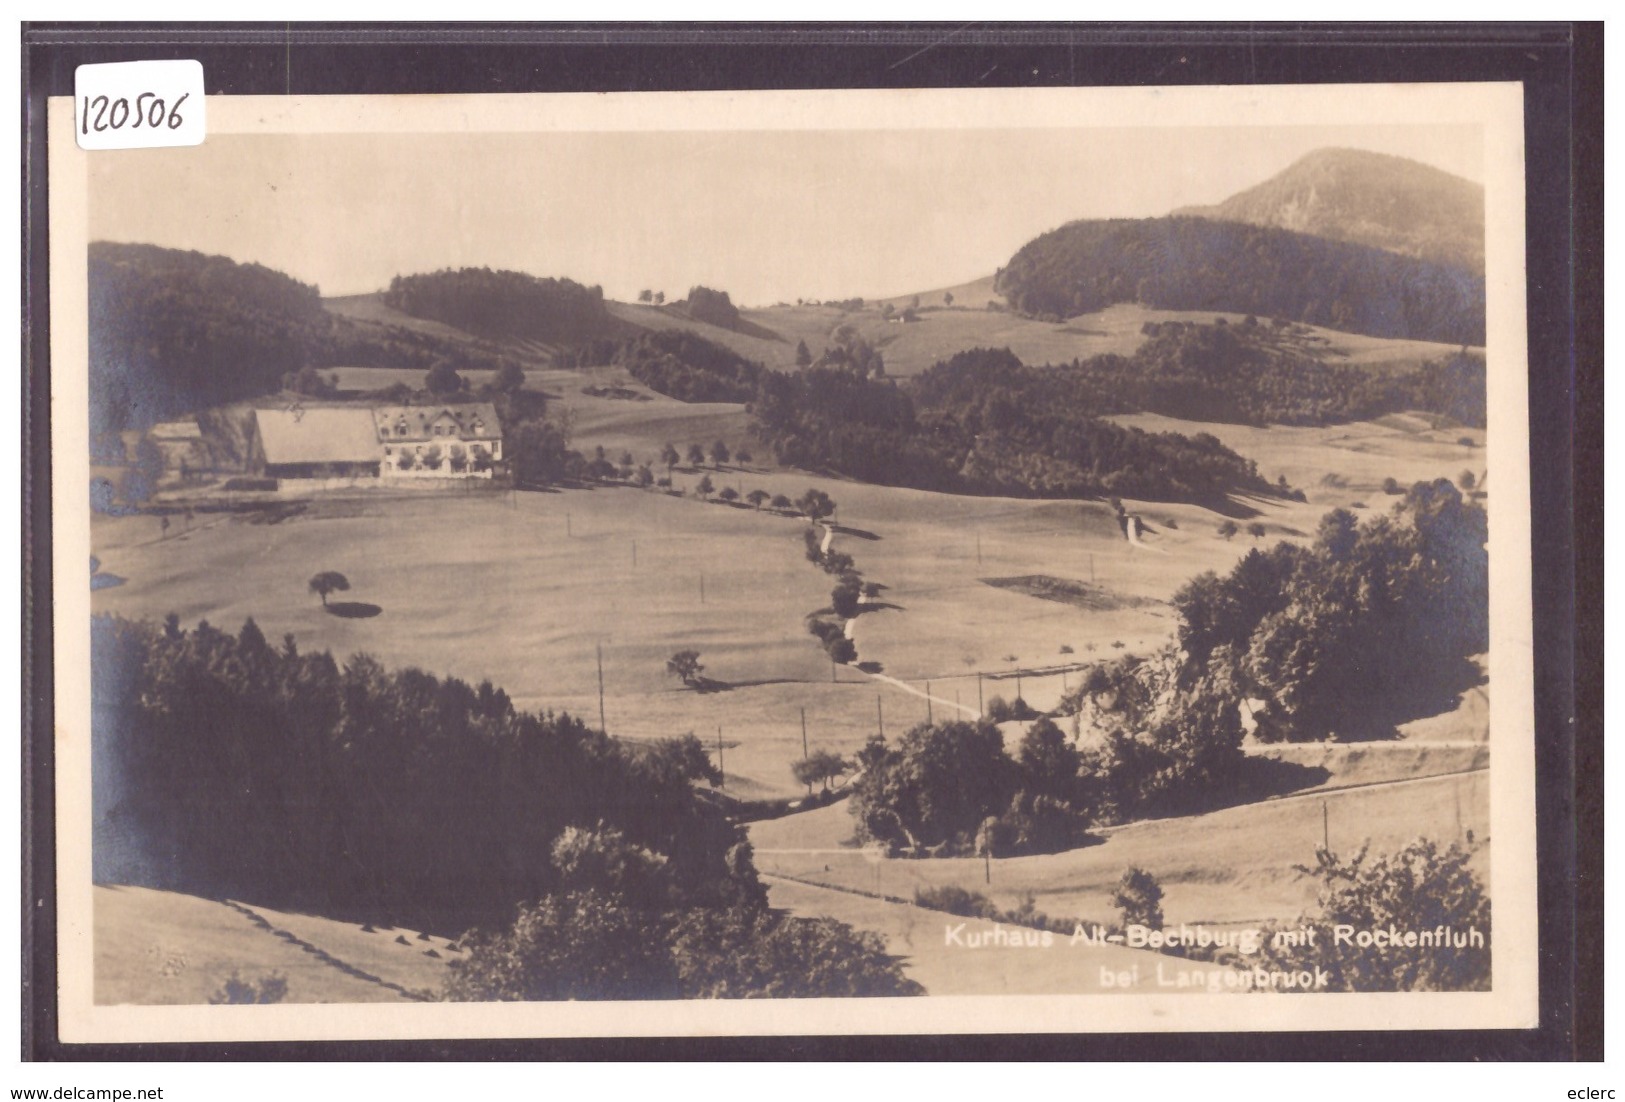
pixel 602 726
pixel 880 717
pixel 1018 682
pixel 1325 827
pixel 980 709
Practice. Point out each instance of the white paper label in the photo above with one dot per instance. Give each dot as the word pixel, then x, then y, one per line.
pixel 138 104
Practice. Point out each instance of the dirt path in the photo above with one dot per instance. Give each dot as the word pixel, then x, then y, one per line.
pixel 921 693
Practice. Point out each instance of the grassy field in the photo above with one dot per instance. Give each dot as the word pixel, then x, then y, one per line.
pixel 1229 866
pixel 164 947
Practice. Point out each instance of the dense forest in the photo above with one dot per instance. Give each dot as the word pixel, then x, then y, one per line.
pixel 225 766
pixel 501 303
pixel 1245 374
pixel 1002 428
pixel 1372 625
pixel 174 331
pixel 673 362
pixel 1198 264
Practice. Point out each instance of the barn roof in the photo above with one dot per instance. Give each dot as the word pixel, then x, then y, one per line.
pixel 317 435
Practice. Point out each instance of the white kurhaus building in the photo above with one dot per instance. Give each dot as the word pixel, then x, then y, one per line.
pixel 441 441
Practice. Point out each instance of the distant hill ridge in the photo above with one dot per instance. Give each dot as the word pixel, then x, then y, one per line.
pixel 1376 199
pixel 1189 263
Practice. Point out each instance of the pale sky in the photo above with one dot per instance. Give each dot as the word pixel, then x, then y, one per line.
pixel 767 216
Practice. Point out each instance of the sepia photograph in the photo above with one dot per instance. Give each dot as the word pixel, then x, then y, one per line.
pixel 751 563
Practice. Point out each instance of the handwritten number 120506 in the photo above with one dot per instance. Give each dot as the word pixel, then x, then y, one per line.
pixel 101 114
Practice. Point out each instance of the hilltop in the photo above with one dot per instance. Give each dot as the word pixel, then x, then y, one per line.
pixel 1376 199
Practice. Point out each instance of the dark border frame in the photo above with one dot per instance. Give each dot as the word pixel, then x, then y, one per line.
pixel 1560 65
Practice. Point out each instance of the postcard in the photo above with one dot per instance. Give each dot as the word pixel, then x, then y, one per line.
pixel 795 563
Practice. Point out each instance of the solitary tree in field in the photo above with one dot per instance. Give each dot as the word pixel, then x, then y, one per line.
pixel 947 298
pixel 729 494
pixel 705 489
pixel 719 454
pixel 803 354
pixel 1255 530
pixel 743 456
pixel 644 477
pixel 696 455
pixel 646 296
pixel 669 456
pixel 328 581
pixel 685 664
pixel 1467 480
pixel 757 498
pixel 780 502
pixel 1228 529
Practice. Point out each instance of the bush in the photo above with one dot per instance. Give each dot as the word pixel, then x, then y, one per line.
pixel 1138 899
pixel 236 991
pixel 1421 887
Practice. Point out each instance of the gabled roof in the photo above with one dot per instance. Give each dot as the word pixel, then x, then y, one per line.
pixel 474 421
pixel 317 435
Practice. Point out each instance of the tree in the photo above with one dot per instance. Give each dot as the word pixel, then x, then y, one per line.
pixel 820 767
pixel 935 786
pixel 816 504
pixel 803 354
pixel 756 497
pixel 660 297
pixel 644 476
pixel 844 597
pixel 1138 898
pixel 646 296
pixel 696 455
pixel 780 502
pixel 443 378
pixel 947 298
pixel 705 488
pixel 1228 529
pixel 510 378
pixel 329 581
pixel 669 456
pixel 685 665
pixel 1256 530
pixel 1390 485
pixel 729 494
pixel 1467 480
pixel 743 456
pixel 719 454
pixel 842 651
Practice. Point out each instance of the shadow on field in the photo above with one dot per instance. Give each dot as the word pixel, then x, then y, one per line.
pixel 859 533
pixel 353 610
